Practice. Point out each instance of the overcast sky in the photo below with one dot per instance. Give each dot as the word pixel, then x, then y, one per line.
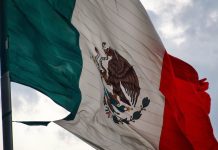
pixel 188 29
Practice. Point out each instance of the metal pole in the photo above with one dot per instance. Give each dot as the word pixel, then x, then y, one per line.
pixel 5 83
pixel 6 112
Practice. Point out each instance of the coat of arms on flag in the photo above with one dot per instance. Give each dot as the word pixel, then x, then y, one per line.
pixel 121 86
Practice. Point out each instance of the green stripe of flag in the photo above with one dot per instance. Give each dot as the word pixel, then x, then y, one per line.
pixel 44 49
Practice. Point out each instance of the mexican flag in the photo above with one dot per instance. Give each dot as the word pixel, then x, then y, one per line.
pixel 103 61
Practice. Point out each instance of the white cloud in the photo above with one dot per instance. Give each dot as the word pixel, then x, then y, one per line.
pixel 168 10
pixel 172 32
pixel 161 7
pixel 44 109
pixel 212 18
pixel 52 137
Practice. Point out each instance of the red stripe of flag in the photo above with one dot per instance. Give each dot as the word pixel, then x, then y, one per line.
pixel 186 123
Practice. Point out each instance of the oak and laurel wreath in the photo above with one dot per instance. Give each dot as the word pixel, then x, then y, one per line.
pixel 135 116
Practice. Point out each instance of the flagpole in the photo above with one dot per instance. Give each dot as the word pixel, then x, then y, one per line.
pixel 5 84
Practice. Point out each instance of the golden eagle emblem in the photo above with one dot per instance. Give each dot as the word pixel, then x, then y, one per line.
pixel 121 85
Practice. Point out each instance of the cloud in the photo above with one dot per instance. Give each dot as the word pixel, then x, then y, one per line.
pixel 162 7
pixel 52 137
pixel 213 18
pixel 167 11
pixel 30 104
pixel 172 32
